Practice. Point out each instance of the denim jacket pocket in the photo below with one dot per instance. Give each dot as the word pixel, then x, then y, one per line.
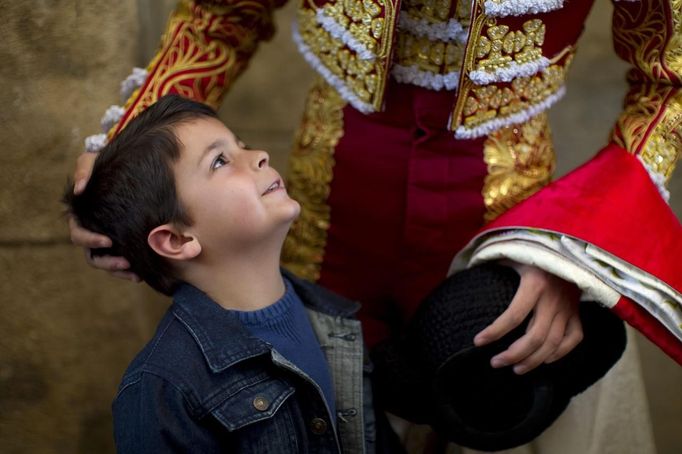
pixel 253 403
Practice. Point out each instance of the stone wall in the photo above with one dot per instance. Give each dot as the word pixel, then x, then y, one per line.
pixel 67 331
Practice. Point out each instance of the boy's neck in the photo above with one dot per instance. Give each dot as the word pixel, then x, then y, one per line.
pixel 246 282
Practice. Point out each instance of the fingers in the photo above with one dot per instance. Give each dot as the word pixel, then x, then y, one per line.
pixel 116 266
pixel 126 275
pixel 535 357
pixel 542 337
pixel 572 337
pixel 86 238
pixel 83 170
pixel 523 302
pixel 554 329
pixel 107 262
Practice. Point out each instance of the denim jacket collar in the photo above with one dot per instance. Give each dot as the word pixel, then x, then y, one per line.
pixel 222 338
pixel 320 299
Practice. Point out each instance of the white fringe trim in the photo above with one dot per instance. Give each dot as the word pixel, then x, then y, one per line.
pixel 132 83
pixel 503 8
pixel 447 31
pixel 95 143
pixel 656 178
pixel 514 70
pixel 331 78
pixel 112 115
pixel 486 128
pixel 337 31
pixel 413 75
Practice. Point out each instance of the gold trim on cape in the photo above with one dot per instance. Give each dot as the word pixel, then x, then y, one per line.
pixel 649 36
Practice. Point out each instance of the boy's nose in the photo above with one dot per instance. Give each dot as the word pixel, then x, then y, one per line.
pixel 262 159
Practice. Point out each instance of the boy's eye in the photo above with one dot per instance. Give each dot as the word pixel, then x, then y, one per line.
pixel 219 161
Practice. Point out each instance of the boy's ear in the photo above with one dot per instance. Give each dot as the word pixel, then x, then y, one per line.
pixel 168 241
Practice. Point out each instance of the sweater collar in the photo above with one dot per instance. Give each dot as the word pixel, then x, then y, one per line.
pixel 220 335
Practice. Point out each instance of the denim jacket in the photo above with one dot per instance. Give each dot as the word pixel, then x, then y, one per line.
pixel 204 385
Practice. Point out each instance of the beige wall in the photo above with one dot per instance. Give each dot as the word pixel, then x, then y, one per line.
pixel 66 332
pixel 69 331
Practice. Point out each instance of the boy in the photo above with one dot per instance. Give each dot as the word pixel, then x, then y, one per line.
pixel 237 364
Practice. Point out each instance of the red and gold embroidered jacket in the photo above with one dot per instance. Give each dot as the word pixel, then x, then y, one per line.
pixel 513 66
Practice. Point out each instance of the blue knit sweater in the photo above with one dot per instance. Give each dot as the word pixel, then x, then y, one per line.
pixel 287 327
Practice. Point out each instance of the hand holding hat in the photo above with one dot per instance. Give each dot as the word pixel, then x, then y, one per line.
pixel 435 374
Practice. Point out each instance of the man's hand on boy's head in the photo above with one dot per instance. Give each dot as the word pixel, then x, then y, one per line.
pixel 88 240
pixel 554 329
pixel 81 174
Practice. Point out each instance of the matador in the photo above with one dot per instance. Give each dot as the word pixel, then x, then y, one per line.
pixel 425 145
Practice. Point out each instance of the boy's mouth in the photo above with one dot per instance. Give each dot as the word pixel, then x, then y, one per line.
pixel 274 186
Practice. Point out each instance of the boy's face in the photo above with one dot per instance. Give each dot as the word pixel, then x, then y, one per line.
pixel 234 197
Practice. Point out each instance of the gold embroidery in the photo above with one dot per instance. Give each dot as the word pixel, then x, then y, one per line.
pixel 658 146
pixel 435 11
pixel 520 161
pixel 361 76
pixel 662 149
pixel 477 23
pixel 311 172
pixel 650 37
pixel 642 103
pixel 464 10
pixel 361 19
pixel 501 47
pixel 365 78
pixel 492 47
pixel 485 103
pixel 673 51
pixel 641 36
pixel 203 50
pixel 432 56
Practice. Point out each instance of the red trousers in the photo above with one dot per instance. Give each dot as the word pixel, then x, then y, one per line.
pixel 405 196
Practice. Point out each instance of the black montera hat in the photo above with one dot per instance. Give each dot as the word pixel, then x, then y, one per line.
pixel 435 375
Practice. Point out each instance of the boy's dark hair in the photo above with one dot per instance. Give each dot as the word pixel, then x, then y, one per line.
pixel 132 188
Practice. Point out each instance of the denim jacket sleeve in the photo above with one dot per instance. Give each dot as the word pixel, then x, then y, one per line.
pixel 151 415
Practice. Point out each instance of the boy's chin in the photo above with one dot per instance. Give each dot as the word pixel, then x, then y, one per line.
pixel 290 214
pixel 284 216
pixel 297 210
pixel 293 211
